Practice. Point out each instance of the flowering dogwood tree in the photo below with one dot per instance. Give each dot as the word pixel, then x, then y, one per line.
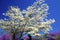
pixel 33 20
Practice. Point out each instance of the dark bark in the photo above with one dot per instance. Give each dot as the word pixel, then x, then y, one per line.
pixel 30 37
pixel 20 35
pixel 13 36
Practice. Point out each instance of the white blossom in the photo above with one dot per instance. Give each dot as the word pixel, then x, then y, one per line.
pixel 32 20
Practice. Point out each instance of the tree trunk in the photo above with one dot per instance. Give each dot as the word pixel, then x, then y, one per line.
pixel 20 35
pixel 13 36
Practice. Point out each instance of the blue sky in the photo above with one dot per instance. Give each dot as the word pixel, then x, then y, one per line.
pixel 54 9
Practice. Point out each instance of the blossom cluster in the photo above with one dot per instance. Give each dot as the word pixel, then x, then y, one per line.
pixel 32 20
